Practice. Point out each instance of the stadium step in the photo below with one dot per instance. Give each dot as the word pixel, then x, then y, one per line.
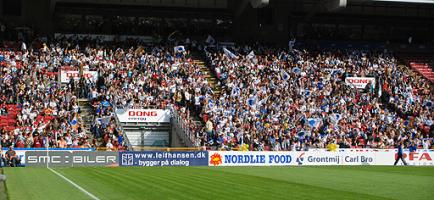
pixel 86 115
pixel 423 69
pixel 212 80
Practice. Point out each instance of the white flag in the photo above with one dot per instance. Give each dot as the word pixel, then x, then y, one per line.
pixel 179 49
pixel 229 53
pixel 251 55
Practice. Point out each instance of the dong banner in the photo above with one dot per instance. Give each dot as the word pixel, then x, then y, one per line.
pixel 160 158
pixel 65 76
pixel 359 82
pixel 143 115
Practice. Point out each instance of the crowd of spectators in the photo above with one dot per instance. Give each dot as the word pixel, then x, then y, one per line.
pixel 272 99
pixel 35 105
pixel 284 100
pixel 154 76
pixel 36 110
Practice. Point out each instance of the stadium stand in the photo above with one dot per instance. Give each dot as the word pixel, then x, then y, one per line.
pixel 259 110
pixel 271 99
pixel 249 96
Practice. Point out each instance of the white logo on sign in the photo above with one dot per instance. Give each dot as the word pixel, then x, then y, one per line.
pixel 127 159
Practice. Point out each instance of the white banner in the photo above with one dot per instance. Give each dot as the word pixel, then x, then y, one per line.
pixel 342 157
pixel 102 37
pixel 336 158
pixel 143 115
pixel 359 82
pixel 250 158
pixel 65 75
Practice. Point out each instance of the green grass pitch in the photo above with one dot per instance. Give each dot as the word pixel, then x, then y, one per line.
pixel 251 183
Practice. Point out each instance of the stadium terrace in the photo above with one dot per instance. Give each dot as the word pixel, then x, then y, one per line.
pixel 216 99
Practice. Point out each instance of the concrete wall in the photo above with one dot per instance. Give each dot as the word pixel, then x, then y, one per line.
pixel 175 140
pixel 158 3
pixel 37 14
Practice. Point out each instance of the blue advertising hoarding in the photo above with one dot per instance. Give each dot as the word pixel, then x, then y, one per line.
pixel 160 158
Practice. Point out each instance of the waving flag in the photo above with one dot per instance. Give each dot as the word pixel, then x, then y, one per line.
pixel 285 75
pixel 264 100
pixel 251 55
pixel 235 91
pixel 291 44
pixel 179 49
pixel 335 117
pixel 314 122
pixel 296 70
pixel 210 104
pixel 428 104
pixel 229 53
pixel 307 93
pixel 251 101
pixel 380 88
pixel 74 123
pixel 105 103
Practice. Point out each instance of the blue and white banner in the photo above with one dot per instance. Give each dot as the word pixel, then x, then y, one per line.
pixel 285 75
pixel 179 49
pixel 314 122
pixel 161 158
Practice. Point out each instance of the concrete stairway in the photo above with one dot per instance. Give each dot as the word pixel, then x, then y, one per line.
pixel 86 115
pixel 209 75
pixel 424 69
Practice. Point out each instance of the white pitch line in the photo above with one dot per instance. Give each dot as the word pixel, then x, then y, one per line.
pixel 75 185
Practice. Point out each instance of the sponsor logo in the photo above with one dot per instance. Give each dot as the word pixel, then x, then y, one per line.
pixel 359 81
pixel 323 159
pixel 158 158
pixel 216 159
pixel 359 159
pixel 300 159
pixel 46 159
pixel 66 158
pixel 261 159
pixel 127 159
pixel 76 75
pixel 416 156
pixel 142 113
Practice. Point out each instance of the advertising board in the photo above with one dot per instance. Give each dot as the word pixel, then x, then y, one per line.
pixel 143 115
pixel 65 75
pixel 160 158
pixel 250 158
pixel 359 82
pixel 71 159
pixel 335 158
pixel 22 151
pixel 318 157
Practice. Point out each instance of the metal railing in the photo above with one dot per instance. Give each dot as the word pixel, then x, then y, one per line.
pixel 126 140
pixel 181 128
